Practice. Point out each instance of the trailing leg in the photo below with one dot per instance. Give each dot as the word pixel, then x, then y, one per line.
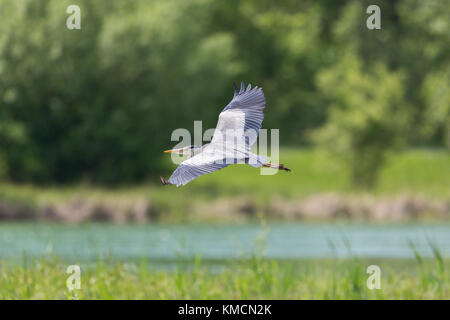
pixel 277 166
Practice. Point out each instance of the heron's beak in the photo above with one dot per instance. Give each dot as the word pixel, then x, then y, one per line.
pixel 174 151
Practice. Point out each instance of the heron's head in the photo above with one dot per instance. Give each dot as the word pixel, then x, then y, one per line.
pixel 189 150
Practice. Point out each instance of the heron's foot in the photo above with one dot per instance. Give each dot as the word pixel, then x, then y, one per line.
pixel 277 166
pixel 282 167
pixel 163 181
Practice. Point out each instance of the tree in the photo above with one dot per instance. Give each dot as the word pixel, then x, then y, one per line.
pixel 437 96
pixel 367 116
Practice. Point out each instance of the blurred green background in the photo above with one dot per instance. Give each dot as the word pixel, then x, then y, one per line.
pixel 98 105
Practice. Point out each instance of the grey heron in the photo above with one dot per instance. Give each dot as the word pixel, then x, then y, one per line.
pixel 236 131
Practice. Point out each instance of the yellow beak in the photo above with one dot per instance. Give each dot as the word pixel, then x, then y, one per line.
pixel 169 151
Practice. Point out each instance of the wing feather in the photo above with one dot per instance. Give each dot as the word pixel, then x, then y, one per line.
pixel 209 160
pixel 243 115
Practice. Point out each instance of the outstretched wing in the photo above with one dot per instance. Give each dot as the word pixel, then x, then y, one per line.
pixel 209 160
pixel 242 118
pixel 238 126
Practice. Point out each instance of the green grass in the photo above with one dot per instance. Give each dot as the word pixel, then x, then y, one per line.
pixel 424 171
pixel 256 278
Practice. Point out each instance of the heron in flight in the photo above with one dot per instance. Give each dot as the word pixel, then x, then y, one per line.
pixel 236 132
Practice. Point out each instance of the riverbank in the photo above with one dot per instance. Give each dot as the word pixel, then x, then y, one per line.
pixel 320 207
pixel 413 186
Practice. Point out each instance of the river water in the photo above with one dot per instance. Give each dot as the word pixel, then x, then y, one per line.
pixel 277 240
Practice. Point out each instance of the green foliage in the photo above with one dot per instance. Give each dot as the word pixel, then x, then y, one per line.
pixel 437 95
pixel 99 104
pixel 366 117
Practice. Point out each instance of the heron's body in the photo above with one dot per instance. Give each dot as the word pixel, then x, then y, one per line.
pixel 236 132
